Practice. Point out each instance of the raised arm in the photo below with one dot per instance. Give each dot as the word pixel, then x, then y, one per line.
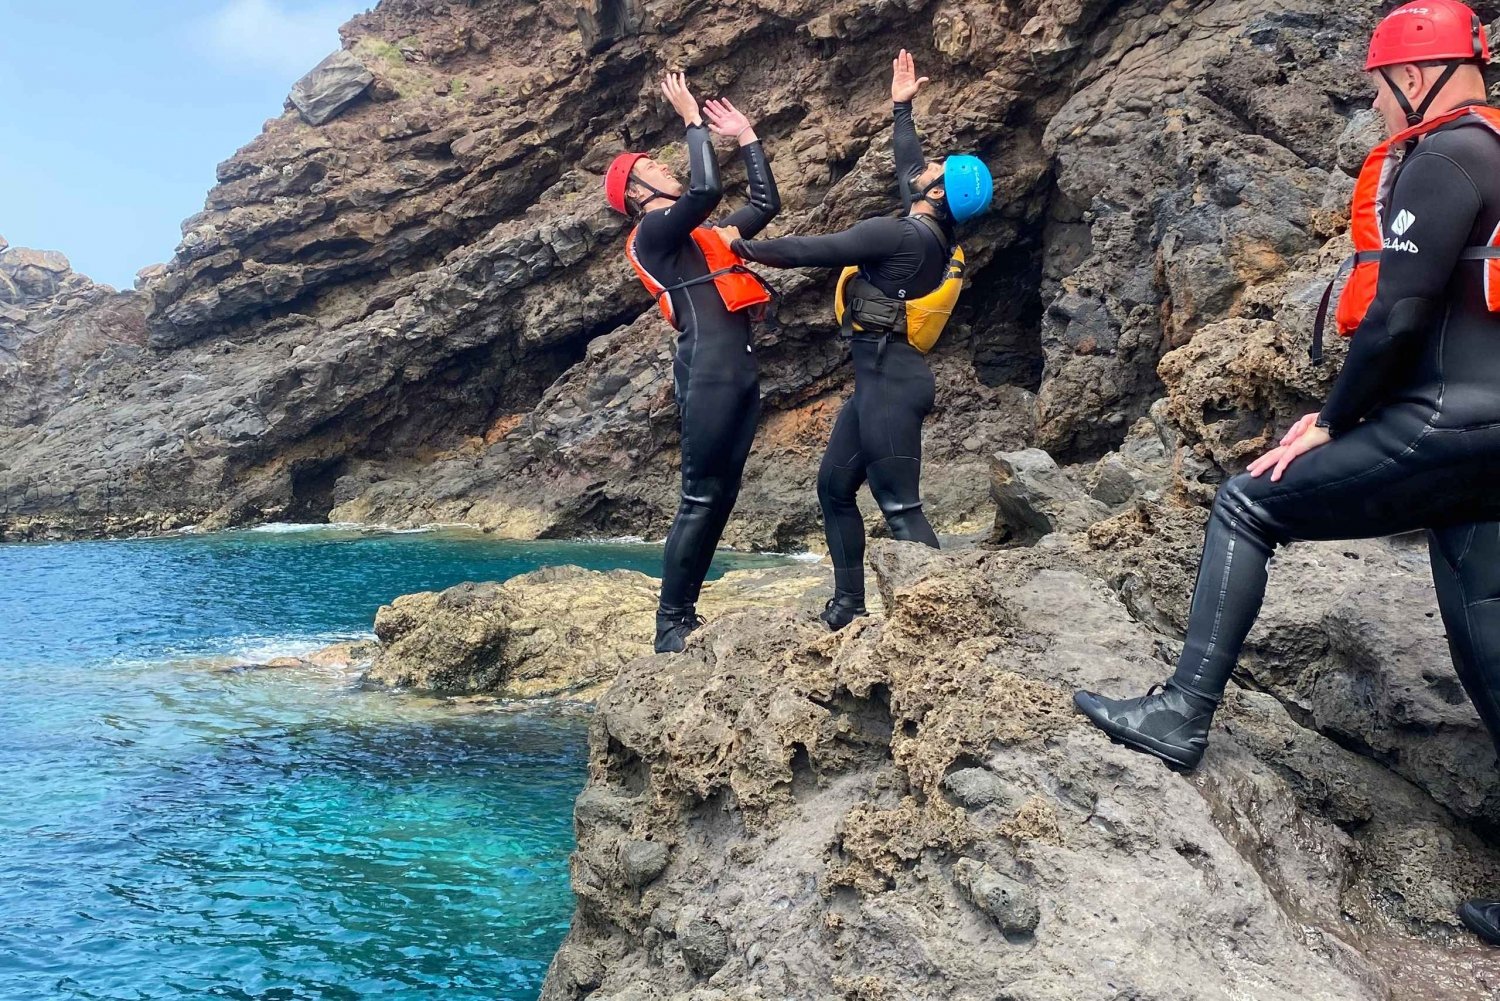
pixel 905 144
pixel 765 201
pixel 1415 269
pixel 705 191
pixel 863 243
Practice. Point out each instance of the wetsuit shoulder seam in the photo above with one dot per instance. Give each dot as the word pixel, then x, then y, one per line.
pixel 1458 166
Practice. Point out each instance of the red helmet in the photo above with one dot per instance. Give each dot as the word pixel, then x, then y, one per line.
pixel 617 179
pixel 1429 31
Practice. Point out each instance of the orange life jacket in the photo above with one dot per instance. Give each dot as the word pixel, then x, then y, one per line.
pixel 737 285
pixel 1372 193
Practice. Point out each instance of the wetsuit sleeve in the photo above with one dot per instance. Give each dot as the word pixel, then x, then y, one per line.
pixel 867 242
pixel 1435 204
pixel 905 144
pixel 674 226
pixel 765 200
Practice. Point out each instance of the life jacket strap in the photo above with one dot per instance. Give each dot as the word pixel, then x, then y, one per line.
pixel 734 269
pixel 1365 257
pixel 1315 352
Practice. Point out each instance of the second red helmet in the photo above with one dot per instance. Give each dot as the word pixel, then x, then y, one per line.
pixel 617 179
pixel 1429 31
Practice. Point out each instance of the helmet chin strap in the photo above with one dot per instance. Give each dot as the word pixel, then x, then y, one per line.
pixel 1416 116
pixel 909 199
pixel 655 192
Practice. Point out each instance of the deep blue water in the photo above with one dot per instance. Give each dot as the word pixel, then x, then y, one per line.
pixel 175 824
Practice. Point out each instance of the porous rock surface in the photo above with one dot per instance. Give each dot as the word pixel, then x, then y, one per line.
pixel 910 809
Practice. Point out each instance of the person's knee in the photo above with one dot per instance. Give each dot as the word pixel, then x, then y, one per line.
pixel 1235 506
pixel 896 484
pixel 838 488
pixel 708 492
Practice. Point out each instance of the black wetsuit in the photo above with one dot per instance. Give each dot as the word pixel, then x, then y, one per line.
pixel 1415 415
pixel 878 434
pixel 714 372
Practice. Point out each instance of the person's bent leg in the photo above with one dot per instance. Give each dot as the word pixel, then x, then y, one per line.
pixel 1173 724
pixel 1466 571
pixel 897 485
pixel 1382 478
pixel 710 406
pixel 890 419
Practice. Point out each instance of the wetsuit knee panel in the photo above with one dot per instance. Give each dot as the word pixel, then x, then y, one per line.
pixel 707 492
pixel 838 484
pixel 1235 508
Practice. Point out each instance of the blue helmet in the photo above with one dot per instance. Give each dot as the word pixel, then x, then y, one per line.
pixel 968 187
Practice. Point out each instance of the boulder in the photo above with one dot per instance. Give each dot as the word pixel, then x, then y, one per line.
pixel 330 87
pixel 1034 498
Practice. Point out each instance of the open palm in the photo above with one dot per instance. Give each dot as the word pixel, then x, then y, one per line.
pixel 724 118
pixel 904 80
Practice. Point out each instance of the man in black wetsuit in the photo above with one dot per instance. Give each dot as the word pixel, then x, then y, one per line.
pixel 1410 435
pixel 714 371
pixel 878 434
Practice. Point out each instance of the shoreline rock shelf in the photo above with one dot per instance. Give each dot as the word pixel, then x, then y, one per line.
pixel 561 631
pixel 910 809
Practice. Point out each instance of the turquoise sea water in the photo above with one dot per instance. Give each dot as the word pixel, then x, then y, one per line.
pixel 175 823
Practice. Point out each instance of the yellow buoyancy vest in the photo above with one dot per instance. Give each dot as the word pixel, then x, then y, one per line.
pixel 920 321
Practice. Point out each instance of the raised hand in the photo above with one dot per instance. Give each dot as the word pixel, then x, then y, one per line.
pixel 904 81
pixel 724 119
pixel 675 89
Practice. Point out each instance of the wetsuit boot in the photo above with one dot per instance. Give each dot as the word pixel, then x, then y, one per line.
pixel 673 626
pixel 1168 722
pixel 848 602
pixel 1482 917
pixel 843 609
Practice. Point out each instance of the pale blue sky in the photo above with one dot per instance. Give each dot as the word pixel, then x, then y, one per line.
pixel 114 113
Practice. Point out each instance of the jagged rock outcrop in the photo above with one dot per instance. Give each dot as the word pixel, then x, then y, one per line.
pixel 557 631
pixel 60 334
pixel 911 810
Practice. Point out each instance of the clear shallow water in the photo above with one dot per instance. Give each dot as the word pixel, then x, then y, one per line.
pixel 174 824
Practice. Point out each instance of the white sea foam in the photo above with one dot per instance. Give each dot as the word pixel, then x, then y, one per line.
pixel 291 528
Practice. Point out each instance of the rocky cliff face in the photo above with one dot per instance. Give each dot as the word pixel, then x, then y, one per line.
pixel 416 311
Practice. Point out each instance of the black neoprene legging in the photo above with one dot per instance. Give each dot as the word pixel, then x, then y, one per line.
pixel 719 399
pixel 877 438
pixel 1395 473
